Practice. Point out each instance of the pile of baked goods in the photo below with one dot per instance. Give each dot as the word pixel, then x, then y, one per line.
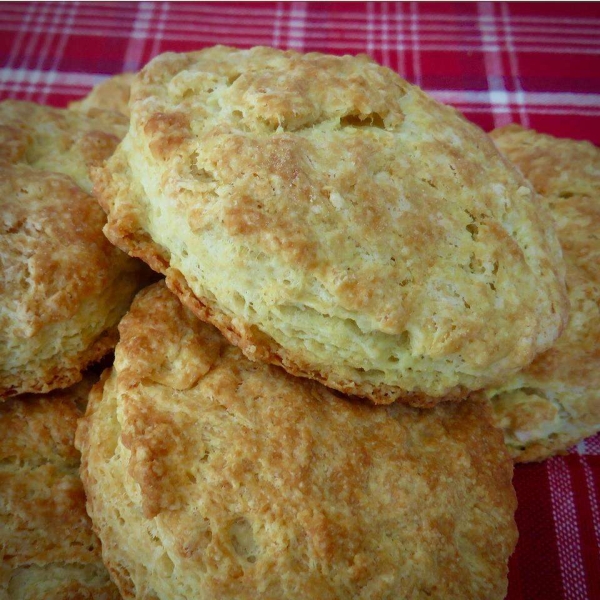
pixel 369 309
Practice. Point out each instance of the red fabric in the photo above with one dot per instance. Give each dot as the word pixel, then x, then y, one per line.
pixel 533 63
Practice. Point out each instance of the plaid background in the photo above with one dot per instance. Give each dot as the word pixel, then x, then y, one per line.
pixel 537 64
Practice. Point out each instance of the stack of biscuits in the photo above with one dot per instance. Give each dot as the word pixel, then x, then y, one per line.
pixel 368 310
pixel 63 290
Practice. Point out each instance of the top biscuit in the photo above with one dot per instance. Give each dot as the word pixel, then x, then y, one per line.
pixel 110 94
pixel 329 217
pixel 63 286
pixel 555 402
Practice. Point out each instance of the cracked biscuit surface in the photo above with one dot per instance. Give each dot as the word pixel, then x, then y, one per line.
pixel 110 94
pixel 212 476
pixel 63 285
pixel 555 402
pixel 48 550
pixel 330 218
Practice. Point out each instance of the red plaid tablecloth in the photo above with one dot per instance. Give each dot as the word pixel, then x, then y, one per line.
pixel 536 64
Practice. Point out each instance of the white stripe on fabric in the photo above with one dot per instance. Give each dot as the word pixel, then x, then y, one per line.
pixel 59 52
pixel 591 485
pixel 384 17
pixel 494 71
pixel 54 20
pixel 532 111
pixel 533 22
pixel 240 10
pixel 296 26
pixel 353 45
pixel 568 540
pixel 23 29
pixel 67 78
pixel 158 35
pixel 214 22
pixel 592 445
pixel 370 30
pixel 514 65
pixel 414 29
pixel 134 54
pixel 530 98
pixel 277 23
pixel 398 39
pixel 38 26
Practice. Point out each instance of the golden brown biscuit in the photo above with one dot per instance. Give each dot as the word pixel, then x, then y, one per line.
pixel 63 286
pixel 47 548
pixel 210 476
pixel 555 402
pixel 110 94
pixel 330 218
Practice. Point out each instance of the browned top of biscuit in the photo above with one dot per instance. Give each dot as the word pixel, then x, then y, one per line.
pixel 324 198
pixel 59 141
pixel 556 400
pixel 47 547
pixel 53 254
pixel 110 94
pixel 254 482
pixel 54 257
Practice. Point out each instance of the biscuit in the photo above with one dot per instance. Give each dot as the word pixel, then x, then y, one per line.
pixel 332 219
pixel 211 476
pixel 110 94
pixel 63 286
pixel 48 550
pixel 555 402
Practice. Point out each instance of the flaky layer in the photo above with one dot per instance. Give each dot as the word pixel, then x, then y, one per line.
pixel 555 402
pixel 63 286
pixel 47 547
pixel 210 476
pixel 330 218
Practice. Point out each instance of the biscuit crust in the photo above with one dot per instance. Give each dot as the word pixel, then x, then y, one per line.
pixel 63 286
pixel 47 547
pixel 555 402
pixel 332 219
pixel 110 94
pixel 211 476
